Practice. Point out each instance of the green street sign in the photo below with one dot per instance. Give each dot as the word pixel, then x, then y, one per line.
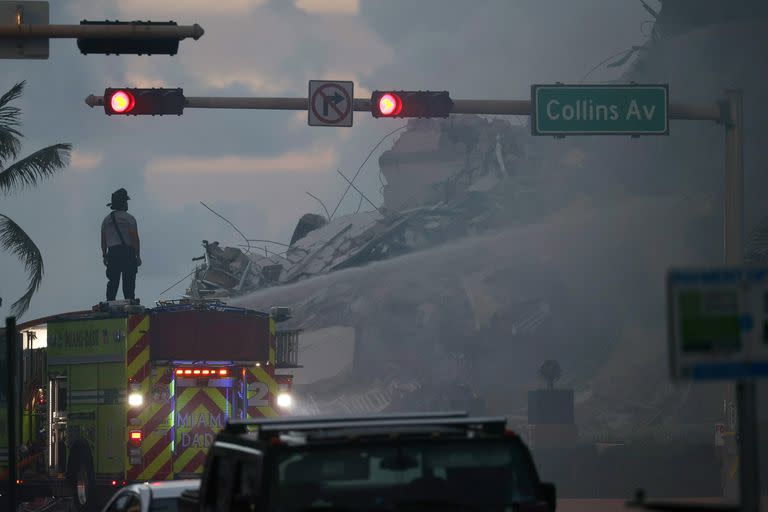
pixel 600 109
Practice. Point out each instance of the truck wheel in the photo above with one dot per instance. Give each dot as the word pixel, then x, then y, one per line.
pixel 81 481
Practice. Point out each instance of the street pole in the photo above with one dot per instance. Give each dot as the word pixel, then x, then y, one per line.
pixel 681 111
pixel 734 178
pixel 11 413
pixel 746 390
pixel 749 463
pixel 130 31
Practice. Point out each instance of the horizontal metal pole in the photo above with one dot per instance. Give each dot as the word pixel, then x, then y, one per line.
pixel 359 105
pixel 101 31
pixel 491 107
pixel 246 103
pixel 500 107
pixel 695 112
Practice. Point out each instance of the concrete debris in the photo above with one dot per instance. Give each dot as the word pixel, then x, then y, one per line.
pixel 229 271
pixel 308 223
pixel 445 180
pixel 439 161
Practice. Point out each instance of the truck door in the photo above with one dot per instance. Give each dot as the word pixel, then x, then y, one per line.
pixel 205 398
pixel 57 424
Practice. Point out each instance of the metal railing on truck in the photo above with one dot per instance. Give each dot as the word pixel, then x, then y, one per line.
pixel 287 348
pixel 457 422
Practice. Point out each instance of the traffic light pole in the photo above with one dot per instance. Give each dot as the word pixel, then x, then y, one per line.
pixel 746 390
pixel 488 107
pixel 132 31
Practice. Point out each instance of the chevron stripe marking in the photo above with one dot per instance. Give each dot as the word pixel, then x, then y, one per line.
pixel 267 379
pixel 138 346
pixel 164 472
pixel 155 466
pixel 202 396
pixel 183 459
pixel 137 329
pixel 139 369
pixel 267 412
pixel 195 465
pixel 153 447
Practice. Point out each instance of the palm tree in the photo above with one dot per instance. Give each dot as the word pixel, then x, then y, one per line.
pixel 17 176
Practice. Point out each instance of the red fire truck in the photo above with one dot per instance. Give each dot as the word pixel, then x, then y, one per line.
pixel 126 393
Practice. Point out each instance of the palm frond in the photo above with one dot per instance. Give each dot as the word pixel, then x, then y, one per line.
pixel 17 242
pixel 10 145
pixel 9 118
pixel 13 93
pixel 28 171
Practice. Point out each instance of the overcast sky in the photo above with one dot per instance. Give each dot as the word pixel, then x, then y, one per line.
pixel 255 167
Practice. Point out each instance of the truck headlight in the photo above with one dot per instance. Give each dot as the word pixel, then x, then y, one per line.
pixel 284 400
pixel 135 399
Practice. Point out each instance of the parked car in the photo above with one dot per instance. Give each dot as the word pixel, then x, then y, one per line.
pixel 389 463
pixel 150 496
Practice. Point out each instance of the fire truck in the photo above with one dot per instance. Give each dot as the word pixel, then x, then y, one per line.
pixel 125 393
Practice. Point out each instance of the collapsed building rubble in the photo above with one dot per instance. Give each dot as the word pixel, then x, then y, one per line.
pixel 444 180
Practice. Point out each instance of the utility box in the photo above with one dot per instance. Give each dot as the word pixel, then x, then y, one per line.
pixel 550 406
pixel 548 436
pixel 551 419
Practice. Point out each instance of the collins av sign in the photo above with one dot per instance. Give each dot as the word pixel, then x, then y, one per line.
pixel 600 109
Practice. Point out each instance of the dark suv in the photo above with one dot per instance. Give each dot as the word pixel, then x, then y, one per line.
pixel 394 463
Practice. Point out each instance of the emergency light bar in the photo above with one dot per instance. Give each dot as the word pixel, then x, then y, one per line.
pixel 202 372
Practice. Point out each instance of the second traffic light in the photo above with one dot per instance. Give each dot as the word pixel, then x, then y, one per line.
pixel 411 104
pixel 143 102
pixel 147 45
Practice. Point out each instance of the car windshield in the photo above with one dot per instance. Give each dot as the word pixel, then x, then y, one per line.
pixel 468 474
pixel 164 505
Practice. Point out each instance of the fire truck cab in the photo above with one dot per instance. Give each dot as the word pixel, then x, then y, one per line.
pixel 126 393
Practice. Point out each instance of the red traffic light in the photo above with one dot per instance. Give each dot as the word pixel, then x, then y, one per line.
pixel 122 102
pixel 411 104
pixel 132 101
pixel 390 105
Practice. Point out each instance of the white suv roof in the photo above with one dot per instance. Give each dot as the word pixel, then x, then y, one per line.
pixel 169 489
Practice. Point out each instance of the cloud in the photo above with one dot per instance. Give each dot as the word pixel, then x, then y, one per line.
pixel 362 92
pixel 277 51
pixel 134 79
pixel 141 9
pixel 84 160
pixel 334 7
pixel 253 80
pixel 293 161
pixel 266 190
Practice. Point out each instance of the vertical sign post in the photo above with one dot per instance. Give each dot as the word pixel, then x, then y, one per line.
pixel 746 389
pixel 11 413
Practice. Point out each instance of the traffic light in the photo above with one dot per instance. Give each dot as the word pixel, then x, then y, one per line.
pixel 411 104
pixel 129 45
pixel 143 102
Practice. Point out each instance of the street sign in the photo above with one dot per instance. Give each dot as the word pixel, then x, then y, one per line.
pixel 600 109
pixel 330 103
pixel 718 323
pixel 719 434
pixel 26 13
